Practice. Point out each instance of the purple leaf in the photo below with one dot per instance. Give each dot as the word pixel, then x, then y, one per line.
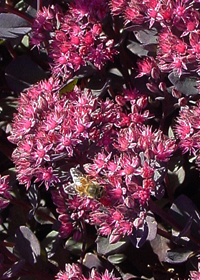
pixel 147 36
pixel 139 236
pixel 179 255
pixel 186 85
pixel 50 243
pixel 74 247
pixel 13 26
pixel 27 244
pixel 84 71
pixel 14 269
pixel 152 226
pixel 160 171
pixel 40 218
pixel 184 211
pixel 23 72
pixel 91 260
pixel 160 246
pixel 137 49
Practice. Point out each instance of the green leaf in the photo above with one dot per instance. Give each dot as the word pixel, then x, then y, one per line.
pixel 117 258
pixel 68 87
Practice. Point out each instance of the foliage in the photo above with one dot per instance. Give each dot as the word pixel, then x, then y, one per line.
pixel 100 133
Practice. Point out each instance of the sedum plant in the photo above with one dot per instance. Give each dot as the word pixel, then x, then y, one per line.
pixel 100 139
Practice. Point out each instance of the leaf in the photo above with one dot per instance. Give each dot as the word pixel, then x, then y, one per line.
pixel 138 258
pixel 50 243
pixel 147 36
pixel 129 276
pixel 178 255
pixel 139 236
pixel 74 247
pixel 160 246
pixel 41 214
pixel 177 177
pixel 186 85
pixel 85 71
pixel 100 264
pixel 23 72
pixel 98 85
pixel 26 41
pixel 152 226
pixel 13 26
pixel 68 87
pixel 117 258
pixel 160 171
pixel 186 214
pixel 105 248
pixel 133 28
pixel 137 49
pixel 27 244
pixel 14 269
pixel 91 260
pixel 116 79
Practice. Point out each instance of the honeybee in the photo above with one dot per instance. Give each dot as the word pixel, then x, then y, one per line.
pixel 83 185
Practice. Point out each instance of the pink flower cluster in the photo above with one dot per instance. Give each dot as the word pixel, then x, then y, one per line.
pixel 176 23
pixel 77 37
pixel 55 133
pixel 95 10
pixel 188 131
pixel 129 174
pixel 176 53
pixel 180 13
pixel 73 272
pixel 49 130
pixel 132 172
pixel 44 25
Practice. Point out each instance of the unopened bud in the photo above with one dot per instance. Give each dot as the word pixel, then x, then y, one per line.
pixel 155 73
pixel 152 87
pixel 175 93
pixel 162 86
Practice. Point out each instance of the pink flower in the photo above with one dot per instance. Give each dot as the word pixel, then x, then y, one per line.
pixel 70 130
pixel 133 13
pixel 106 276
pixel 195 275
pixel 74 272
pixel 117 6
pixel 188 130
pixel 79 41
pixel 59 126
pixel 146 66
pixel 173 53
pixel 74 39
pixel 195 44
pixel 94 10
pixel 182 10
pixel 47 21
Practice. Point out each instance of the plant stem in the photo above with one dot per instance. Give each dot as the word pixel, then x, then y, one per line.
pixel 84 241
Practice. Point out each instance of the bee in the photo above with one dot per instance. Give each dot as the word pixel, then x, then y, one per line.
pixel 83 185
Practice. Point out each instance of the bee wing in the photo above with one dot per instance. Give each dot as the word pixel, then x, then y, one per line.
pixel 76 176
pixel 70 189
